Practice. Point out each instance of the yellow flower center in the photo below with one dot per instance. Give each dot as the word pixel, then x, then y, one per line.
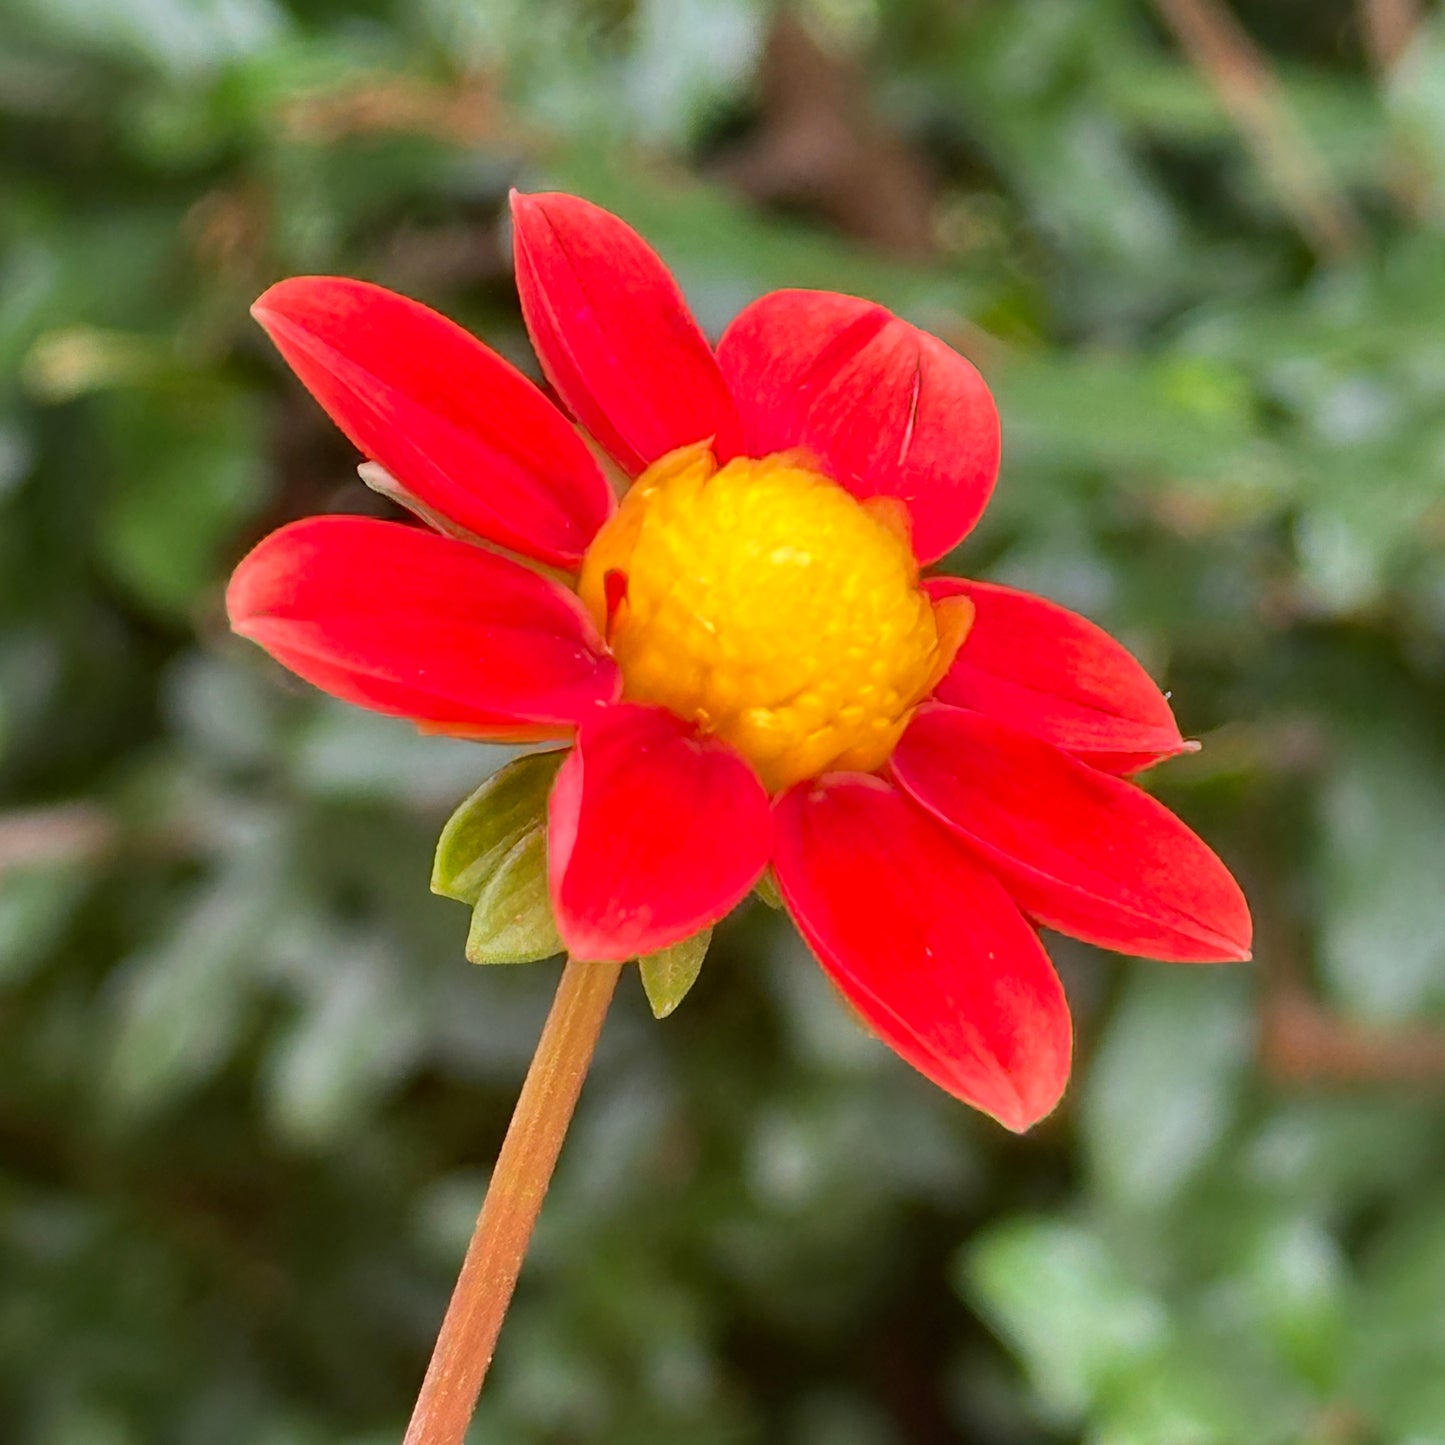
pixel 763 602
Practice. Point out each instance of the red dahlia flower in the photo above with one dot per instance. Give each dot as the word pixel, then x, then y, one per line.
pixel 741 653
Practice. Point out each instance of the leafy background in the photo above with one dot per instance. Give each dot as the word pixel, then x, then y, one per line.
pixel 249 1090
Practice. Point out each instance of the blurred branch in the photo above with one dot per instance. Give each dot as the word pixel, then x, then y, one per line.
pixel 1250 91
pixel 820 144
pixel 228 228
pixel 1338 1424
pixel 1389 26
pixel 1301 1041
pixel 68 832
pixel 467 113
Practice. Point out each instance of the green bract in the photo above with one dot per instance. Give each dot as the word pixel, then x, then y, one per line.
pixel 512 920
pixel 492 855
pixel 767 889
pixel 669 973
pixel 509 805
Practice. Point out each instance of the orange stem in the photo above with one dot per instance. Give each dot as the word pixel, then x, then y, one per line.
pixel 468 1336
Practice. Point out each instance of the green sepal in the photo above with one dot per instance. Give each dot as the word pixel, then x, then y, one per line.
pixel 767 889
pixel 669 973
pixel 512 921
pixel 485 828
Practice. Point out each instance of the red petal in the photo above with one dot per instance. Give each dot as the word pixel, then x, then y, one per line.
pixel 654 832
pixel 1047 671
pixel 462 430
pixel 1082 852
pixel 924 944
pixel 614 333
pixel 886 408
pixel 401 620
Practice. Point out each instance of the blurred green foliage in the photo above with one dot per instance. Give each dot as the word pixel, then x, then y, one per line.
pixel 249 1089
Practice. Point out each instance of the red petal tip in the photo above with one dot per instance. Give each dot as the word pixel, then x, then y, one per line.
pixel 406 622
pixel 924 944
pixel 459 428
pixel 614 334
pixel 1080 851
pixel 1053 674
pixel 890 410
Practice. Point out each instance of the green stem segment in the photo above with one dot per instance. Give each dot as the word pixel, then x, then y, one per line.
pixel 468 1335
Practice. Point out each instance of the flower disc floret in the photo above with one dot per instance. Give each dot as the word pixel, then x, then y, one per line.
pixel 764 603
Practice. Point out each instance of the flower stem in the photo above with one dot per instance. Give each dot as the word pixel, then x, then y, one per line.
pixel 468 1336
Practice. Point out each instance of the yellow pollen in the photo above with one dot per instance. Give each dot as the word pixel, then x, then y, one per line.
pixel 763 602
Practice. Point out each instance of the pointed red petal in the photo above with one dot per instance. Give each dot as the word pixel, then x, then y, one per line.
pixel 1047 671
pixel 459 428
pixel 886 408
pixel 401 620
pixel 924 944
pixel 614 333
pixel 654 833
pixel 1085 853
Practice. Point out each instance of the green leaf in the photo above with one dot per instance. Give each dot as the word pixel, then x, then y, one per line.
pixel 1164 1086
pixel 345 1045
pixel 181 1003
pixel 1200 1394
pixel 1294 1288
pixel 1064 1301
pixel 1391 1354
pixel 489 825
pixel 1383 811
pixel 37 904
pixel 188 468
pixel 669 973
pixel 512 921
